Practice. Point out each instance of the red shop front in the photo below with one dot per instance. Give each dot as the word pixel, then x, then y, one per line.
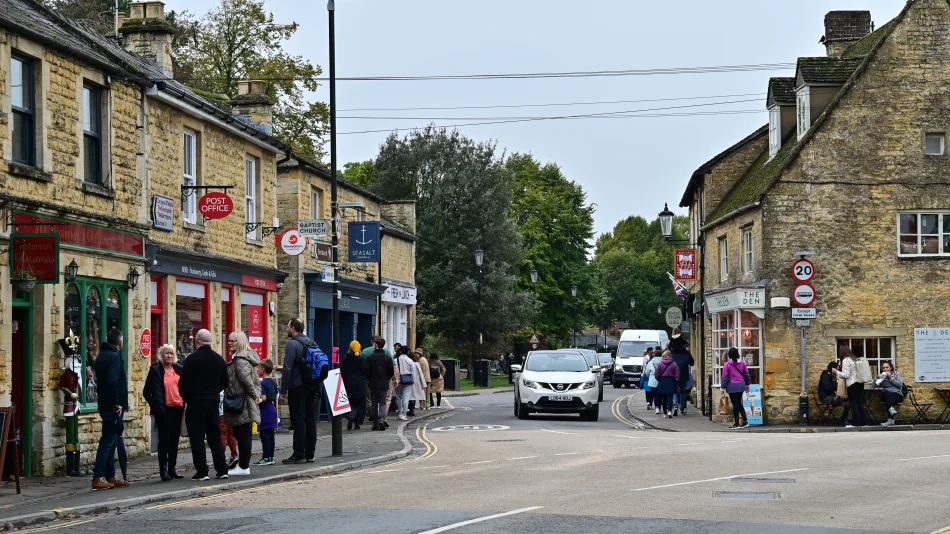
pixel 255 311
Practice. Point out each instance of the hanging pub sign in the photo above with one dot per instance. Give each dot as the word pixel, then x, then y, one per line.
pixel 685 265
pixel 215 205
pixel 364 242
pixel 34 257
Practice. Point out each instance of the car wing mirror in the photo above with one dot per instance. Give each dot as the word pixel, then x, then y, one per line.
pixel 515 368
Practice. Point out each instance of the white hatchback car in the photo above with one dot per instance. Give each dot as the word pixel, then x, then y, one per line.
pixel 556 382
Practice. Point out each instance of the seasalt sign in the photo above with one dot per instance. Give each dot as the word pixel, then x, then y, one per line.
pixel 215 205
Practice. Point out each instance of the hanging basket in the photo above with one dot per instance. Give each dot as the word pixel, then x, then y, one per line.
pixel 24 285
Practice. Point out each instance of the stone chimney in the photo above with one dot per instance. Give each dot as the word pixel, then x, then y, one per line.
pixel 252 102
pixel 843 29
pixel 149 35
pixel 401 212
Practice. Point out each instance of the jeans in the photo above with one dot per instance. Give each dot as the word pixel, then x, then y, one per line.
pixel 403 394
pixel 682 392
pixel 202 422
pixel 169 433
pixel 649 397
pixel 267 442
pixel 380 400
pixel 859 417
pixel 891 400
pixel 737 409
pixel 243 435
pixel 227 437
pixel 303 417
pixel 438 396
pixel 667 400
pixel 357 413
pixel 112 427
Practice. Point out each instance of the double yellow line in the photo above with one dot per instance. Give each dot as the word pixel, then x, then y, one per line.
pixel 56 527
pixel 615 409
pixel 943 530
pixel 422 436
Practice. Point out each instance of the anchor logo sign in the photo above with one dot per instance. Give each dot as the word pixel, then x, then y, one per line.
pixel 364 241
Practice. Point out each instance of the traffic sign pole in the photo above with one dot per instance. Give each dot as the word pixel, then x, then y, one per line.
pixel 336 427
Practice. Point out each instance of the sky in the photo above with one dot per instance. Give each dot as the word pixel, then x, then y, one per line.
pixel 628 165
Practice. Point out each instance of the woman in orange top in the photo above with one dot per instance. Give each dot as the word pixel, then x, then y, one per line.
pixel 161 393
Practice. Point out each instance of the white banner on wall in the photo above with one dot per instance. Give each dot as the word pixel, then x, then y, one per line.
pixel 400 295
pixel 932 354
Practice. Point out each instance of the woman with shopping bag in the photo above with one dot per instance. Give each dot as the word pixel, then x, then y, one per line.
pixel 735 380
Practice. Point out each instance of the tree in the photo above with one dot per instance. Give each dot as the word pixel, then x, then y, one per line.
pixel 361 173
pixel 557 226
pixel 463 193
pixel 99 14
pixel 240 40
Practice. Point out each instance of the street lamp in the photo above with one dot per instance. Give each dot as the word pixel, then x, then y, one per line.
pixel 72 270
pixel 534 284
pixel 479 261
pixel 574 328
pixel 666 226
pixel 605 299
pixel 633 302
pixel 534 277
pixel 659 309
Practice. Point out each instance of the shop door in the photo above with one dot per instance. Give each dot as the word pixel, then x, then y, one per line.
pixel 366 325
pixel 347 328
pixel 156 328
pixel 254 321
pixel 323 330
pixel 22 362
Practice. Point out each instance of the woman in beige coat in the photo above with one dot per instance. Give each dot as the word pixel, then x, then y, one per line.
pixel 242 382
pixel 424 365
pixel 437 384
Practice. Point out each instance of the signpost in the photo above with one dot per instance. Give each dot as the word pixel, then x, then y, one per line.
pixel 145 343
pixel 215 205
pixel 803 270
pixel 674 317
pixel 336 393
pixel 314 227
pixel 322 252
pixel 292 243
pixel 804 313
pixel 804 295
pixel 339 225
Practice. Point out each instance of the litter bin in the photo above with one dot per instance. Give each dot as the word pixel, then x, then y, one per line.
pixel 453 374
pixel 482 373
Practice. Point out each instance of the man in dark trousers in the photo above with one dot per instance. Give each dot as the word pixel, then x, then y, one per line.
pixel 301 396
pixel 679 348
pixel 203 377
pixel 379 370
pixel 113 403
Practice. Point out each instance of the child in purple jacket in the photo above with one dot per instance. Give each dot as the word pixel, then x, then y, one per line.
pixel 270 392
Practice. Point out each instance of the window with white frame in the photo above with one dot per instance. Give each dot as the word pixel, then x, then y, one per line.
pixel 189 204
pixel 925 233
pixel 741 329
pixel 803 98
pixel 775 130
pixel 934 144
pixel 747 254
pixel 877 350
pixel 316 203
pixel 250 195
pixel 723 260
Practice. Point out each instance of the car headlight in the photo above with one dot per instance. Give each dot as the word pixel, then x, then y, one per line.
pixel 618 367
pixel 588 385
pixel 530 384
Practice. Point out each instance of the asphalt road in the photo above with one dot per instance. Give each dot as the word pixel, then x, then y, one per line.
pixel 479 469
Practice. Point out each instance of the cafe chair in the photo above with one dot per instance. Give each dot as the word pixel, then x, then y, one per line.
pixel 920 407
pixel 826 411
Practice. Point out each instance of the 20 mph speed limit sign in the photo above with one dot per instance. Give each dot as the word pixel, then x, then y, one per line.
pixel 803 270
pixel 804 295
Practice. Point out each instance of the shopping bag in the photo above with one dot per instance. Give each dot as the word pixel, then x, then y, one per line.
pixel 842 389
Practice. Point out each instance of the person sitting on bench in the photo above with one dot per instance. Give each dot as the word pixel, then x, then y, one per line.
pixel 892 384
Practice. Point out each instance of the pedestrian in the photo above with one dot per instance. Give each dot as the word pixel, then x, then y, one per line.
pixel 426 375
pixel 893 385
pixel 684 359
pixel 228 441
pixel 848 372
pixel 301 396
pixel 668 375
pixel 406 375
pixel 379 369
pixel 437 385
pixel 644 379
pixel 241 398
pixel 735 377
pixel 369 397
pixel 268 425
pixel 827 391
pixel 164 400
pixel 652 382
pixel 113 403
pixel 419 384
pixel 351 368
pixel 204 376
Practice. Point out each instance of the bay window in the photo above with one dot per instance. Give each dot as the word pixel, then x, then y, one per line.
pixel 741 329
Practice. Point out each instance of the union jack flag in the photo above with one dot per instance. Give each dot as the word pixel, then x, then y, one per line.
pixel 679 288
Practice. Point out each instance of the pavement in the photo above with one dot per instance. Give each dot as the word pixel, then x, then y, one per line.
pixel 48 498
pixel 480 391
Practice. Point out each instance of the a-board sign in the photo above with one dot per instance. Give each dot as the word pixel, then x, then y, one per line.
pixel 336 393
pixel 6 421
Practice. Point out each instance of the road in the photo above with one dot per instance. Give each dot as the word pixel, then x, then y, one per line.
pixel 479 469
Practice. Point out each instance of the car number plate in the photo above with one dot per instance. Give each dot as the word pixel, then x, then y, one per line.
pixel 561 398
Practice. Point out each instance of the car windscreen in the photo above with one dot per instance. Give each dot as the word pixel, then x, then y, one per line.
pixel 556 361
pixel 629 349
pixel 605 359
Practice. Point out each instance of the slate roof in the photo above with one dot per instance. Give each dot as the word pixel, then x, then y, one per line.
pixel 781 91
pixel 826 69
pixel 700 173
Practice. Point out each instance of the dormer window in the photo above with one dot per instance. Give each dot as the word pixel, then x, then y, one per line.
pixel 775 130
pixel 803 97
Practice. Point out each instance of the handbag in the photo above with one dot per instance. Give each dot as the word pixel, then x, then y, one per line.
pixel 234 404
pixel 405 378
pixel 184 424
pixel 842 392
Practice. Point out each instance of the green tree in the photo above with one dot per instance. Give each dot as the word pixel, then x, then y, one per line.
pixel 240 40
pixel 557 226
pixel 360 173
pixel 463 193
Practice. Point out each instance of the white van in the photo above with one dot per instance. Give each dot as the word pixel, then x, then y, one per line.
pixel 628 366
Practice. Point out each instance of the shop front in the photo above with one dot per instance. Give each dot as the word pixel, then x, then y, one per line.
pixel 358 308
pixel 736 315
pixel 396 303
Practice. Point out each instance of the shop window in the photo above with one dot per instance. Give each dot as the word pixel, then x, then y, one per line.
pixel 254 322
pixel 91 309
pixel 923 234
pixel 157 323
pixel 227 319
pixel 189 204
pixel 92 133
pixel 877 350
pixel 740 329
pixel 22 89
pixel 190 315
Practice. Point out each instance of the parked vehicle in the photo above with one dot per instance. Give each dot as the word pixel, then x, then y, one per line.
pixel 591 357
pixel 628 367
pixel 556 382
pixel 606 361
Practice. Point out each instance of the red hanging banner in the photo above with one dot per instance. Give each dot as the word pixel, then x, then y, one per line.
pixel 35 257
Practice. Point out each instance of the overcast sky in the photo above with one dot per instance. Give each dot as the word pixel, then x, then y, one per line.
pixel 628 166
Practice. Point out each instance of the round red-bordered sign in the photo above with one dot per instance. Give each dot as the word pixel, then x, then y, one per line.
pixel 145 343
pixel 803 270
pixel 215 205
pixel 291 242
pixel 804 295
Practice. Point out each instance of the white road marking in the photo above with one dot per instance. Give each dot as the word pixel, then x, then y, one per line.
pixel 556 432
pixel 482 462
pixel 731 441
pixel 644 437
pixel 922 458
pixel 566 453
pixel 720 478
pixel 480 519
pixel 522 458
pixel 432 467
pixel 681 444
pixel 386 471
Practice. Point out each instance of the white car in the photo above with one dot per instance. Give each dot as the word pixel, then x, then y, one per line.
pixel 556 382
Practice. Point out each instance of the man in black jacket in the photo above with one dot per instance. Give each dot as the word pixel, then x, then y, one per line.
pixel 379 370
pixel 113 402
pixel 301 395
pixel 828 391
pixel 683 358
pixel 203 377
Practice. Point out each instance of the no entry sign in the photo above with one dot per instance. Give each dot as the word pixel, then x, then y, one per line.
pixel 804 295
pixel 803 270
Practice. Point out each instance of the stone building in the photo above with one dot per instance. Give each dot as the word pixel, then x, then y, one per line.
pixel 376 297
pixel 851 167
pixel 97 143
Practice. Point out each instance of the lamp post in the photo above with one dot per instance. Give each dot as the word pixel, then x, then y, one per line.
pixel 479 260
pixel 336 427
pixel 659 310
pixel 574 327
pixel 605 300
pixel 534 284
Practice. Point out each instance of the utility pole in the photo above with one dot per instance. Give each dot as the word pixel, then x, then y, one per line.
pixel 336 427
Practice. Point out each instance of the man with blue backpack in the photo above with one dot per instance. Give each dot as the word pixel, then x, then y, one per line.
pixel 305 369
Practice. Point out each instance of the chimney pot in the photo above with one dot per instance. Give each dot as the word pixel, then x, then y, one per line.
pixel 253 102
pixel 148 34
pixel 844 28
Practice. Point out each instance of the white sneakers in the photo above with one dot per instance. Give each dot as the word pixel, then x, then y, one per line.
pixel 237 471
pixel 402 417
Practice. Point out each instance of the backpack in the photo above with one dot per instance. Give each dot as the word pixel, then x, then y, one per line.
pixel 862 372
pixel 434 372
pixel 312 365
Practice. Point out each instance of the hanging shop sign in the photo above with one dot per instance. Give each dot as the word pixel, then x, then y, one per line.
pixel 674 317
pixel 292 243
pixel 258 282
pixel 82 234
pixel 685 266
pixel 163 213
pixel 363 242
pixel 35 257
pixel 215 205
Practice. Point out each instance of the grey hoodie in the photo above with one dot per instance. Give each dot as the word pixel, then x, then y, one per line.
pixel 891 383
